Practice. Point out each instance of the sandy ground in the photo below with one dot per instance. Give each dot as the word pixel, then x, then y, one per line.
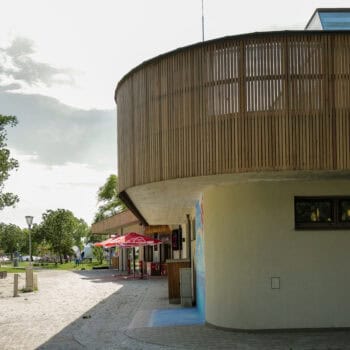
pixel 88 309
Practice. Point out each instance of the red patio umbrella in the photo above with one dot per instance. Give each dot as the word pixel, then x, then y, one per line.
pixel 105 243
pixel 131 240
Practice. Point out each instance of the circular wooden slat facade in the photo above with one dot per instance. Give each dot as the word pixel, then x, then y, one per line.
pixel 258 102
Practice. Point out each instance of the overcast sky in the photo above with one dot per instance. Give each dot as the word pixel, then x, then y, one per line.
pixel 60 61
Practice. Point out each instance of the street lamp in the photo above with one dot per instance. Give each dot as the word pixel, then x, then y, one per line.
pixel 29 220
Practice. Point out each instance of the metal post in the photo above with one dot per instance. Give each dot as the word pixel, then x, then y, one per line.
pixel 30 247
pixel 202 21
pixel 189 243
pixel 29 220
pixel 133 258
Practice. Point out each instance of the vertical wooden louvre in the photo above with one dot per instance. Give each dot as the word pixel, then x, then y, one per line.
pixel 262 102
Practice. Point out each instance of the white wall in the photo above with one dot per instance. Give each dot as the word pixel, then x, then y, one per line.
pixel 315 23
pixel 250 237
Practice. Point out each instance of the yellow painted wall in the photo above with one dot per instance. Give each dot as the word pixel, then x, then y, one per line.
pixel 250 237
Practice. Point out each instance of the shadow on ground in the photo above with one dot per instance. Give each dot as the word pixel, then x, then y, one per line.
pixel 101 276
pixel 122 321
pixel 104 325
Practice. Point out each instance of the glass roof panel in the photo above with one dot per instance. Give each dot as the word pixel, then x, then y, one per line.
pixel 335 20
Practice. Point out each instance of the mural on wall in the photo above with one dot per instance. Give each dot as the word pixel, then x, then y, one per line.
pixel 199 259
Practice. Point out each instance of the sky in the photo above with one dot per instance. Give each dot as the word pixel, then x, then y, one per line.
pixel 60 61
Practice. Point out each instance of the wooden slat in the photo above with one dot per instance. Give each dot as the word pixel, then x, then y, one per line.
pixel 279 101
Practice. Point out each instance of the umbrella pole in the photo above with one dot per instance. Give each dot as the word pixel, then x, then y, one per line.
pixel 133 258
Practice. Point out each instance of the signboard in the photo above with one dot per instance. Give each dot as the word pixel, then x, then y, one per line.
pixel 176 239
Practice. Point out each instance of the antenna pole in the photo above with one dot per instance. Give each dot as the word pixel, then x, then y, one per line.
pixel 202 21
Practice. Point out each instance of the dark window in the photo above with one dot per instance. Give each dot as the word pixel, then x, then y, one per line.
pixel 331 212
pixel 344 210
pixel 308 210
pixel 175 240
pixel 148 253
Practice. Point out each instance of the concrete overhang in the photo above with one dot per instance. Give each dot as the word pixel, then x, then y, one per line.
pixel 168 202
pixel 112 224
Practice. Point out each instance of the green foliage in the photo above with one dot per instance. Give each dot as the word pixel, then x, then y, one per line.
pixel 51 266
pixel 107 196
pixel 81 229
pixel 98 254
pixel 10 269
pixel 94 238
pixel 6 162
pixel 12 238
pixel 61 230
pixel 109 190
pixel 36 241
pixel 39 245
pixel 58 232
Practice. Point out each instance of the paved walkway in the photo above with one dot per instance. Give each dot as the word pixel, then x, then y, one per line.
pixel 95 310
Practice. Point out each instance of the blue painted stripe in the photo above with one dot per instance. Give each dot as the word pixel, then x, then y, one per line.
pixel 175 317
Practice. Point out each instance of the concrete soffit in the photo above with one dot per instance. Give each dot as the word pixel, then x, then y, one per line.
pixel 168 202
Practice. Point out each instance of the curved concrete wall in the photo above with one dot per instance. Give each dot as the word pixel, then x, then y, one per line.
pixel 250 237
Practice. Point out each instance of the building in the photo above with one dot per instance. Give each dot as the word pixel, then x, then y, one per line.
pixel 329 19
pixel 118 224
pixel 125 222
pixel 245 142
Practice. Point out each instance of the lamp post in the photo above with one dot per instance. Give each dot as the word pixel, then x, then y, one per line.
pixel 29 220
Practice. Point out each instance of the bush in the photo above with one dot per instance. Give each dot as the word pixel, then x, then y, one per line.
pixel 98 253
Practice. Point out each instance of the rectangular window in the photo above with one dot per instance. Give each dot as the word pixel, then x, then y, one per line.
pixel 344 210
pixel 328 212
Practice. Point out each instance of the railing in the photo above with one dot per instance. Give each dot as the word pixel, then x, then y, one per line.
pixel 266 101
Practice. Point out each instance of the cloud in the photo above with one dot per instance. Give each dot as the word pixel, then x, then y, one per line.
pixel 51 132
pixel 69 186
pixel 10 87
pixel 58 134
pixel 17 65
pixel 20 46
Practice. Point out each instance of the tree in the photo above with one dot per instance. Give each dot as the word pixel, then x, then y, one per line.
pixel 107 196
pixel 98 254
pixel 57 228
pixel 36 240
pixel 80 231
pixel 11 238
pixel 94 238
pixel 6 162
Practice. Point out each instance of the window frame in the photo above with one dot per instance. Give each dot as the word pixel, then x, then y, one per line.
pixel 336 224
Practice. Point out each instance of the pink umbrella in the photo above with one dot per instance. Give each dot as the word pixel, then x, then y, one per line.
pixel 106 242
pixel 131 240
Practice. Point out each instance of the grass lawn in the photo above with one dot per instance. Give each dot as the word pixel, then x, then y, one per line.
pixel 52 266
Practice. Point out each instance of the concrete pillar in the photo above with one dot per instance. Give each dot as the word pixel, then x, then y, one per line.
pixel 29 279
pixel 15 285
pixel 35 282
